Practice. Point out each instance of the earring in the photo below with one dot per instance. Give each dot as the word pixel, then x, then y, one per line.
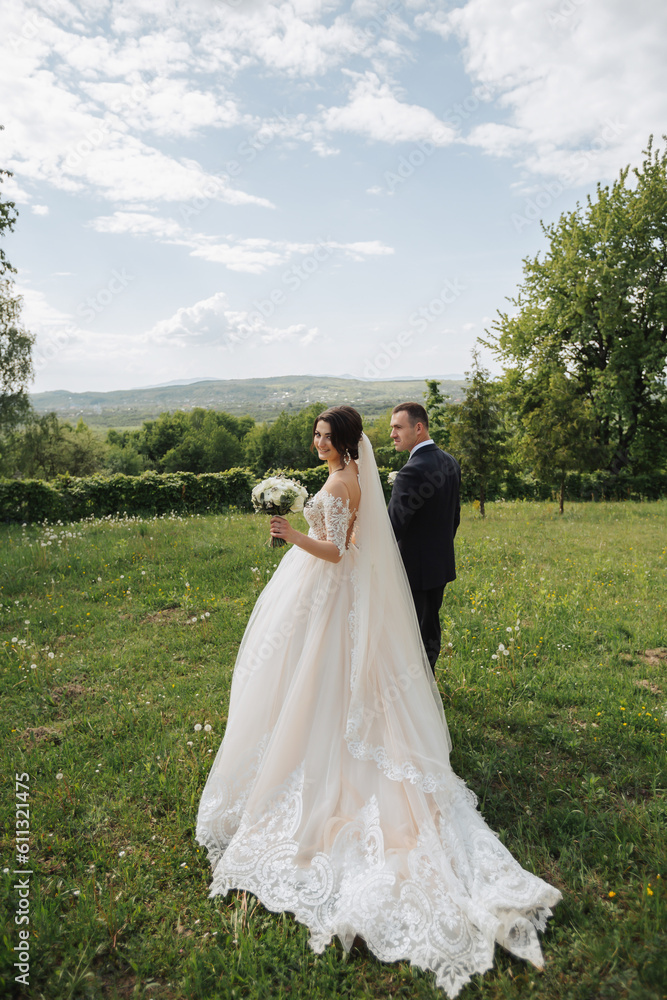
pixel 346 457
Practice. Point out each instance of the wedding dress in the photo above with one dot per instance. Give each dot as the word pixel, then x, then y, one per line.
pixel 331 795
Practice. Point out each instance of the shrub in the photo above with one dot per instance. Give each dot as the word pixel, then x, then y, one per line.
pixel 71 498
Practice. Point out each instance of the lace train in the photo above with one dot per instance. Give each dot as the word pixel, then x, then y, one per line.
pixel 442 903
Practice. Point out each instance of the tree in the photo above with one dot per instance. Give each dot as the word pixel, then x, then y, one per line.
pixel 476 430
pixel 16 343
pixel 16 368
pixel 560 432
pixel 595 308
pixel 199 441
pixel 284 444
pixel 46 447
pixel 440 414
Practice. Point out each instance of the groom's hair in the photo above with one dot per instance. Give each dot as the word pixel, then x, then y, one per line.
pixel 415 411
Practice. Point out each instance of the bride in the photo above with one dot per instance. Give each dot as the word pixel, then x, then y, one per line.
pixel 331 794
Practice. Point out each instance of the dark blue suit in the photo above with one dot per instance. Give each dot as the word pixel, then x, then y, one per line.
pixel 425 512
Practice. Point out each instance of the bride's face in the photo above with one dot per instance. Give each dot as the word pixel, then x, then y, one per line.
pixel 322 441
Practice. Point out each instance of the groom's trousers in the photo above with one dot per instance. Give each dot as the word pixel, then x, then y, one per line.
pixel 427 605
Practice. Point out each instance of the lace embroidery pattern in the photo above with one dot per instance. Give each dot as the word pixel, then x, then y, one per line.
pixel 405 770
pixel 443 907
pixel 329 518
pixel 222 804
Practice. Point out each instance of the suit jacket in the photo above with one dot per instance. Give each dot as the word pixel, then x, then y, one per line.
pixel 425 512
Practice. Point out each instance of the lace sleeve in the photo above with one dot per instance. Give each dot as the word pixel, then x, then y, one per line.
pixel 336 520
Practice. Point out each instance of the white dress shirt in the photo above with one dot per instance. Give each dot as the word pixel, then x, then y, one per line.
pixel 420 445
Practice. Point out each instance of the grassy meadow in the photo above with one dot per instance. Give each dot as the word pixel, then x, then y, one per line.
pixel 117 643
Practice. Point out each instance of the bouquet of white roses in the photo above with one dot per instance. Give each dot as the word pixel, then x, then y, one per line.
pixel 278 495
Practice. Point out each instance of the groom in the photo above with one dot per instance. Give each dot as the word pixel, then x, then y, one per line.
pixel 425 512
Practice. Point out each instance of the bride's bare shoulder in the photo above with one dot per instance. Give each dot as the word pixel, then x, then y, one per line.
pixel 345 484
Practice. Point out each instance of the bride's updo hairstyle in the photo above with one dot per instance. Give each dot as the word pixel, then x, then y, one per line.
pixel 346 429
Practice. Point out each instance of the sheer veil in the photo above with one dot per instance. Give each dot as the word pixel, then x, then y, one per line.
pixel 395 716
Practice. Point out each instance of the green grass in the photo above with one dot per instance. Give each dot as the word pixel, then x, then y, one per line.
pixel 563 740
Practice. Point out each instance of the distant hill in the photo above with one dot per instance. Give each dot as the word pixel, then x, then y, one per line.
pixel 261 398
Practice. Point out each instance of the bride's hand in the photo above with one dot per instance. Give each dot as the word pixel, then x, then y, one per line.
pixel 281 528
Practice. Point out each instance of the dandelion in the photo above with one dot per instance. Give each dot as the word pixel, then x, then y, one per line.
pixel 207 728
pixel 612 894
pixel 60 776
pixel 197 727
pixel 121 854
pixel 509 629
pixel 190 743
pixel 649 890
pixel 27 621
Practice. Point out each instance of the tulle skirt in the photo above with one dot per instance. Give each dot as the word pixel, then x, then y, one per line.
pixel 290 814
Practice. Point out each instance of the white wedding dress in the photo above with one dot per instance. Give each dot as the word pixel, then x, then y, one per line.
pixel 331 794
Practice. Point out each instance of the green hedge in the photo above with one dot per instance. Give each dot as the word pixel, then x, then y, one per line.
pixel 68 498
pixel 578 486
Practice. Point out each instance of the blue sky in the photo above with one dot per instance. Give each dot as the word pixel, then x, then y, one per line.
pixel 240 189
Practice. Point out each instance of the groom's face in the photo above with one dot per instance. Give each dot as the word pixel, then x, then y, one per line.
pixel 402 432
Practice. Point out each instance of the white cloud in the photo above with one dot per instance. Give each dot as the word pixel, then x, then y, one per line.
pixel 167 107
pixel 251 254
pixel 70 122
pixel 40 210
pixel 211 322
pixel 582 78
pixel 285 37
pixel 374 111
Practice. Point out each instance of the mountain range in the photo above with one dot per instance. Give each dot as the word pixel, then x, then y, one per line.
pixel 261 398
